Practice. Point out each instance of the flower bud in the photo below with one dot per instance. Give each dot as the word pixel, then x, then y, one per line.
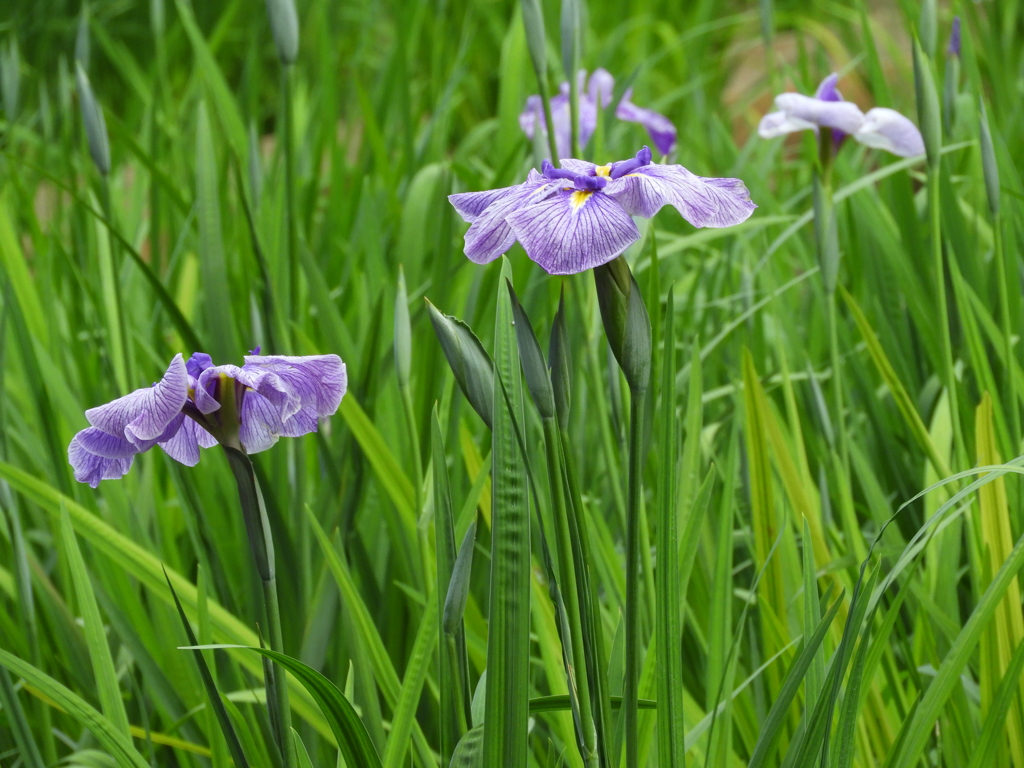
pixel 284 24
pixel 535 369
pixel 403 333
pixel 10 78
pixel 469 361
pixel 533 23
pixel 92 118
pixel 626 322
pixel 82 38
pixel 988 162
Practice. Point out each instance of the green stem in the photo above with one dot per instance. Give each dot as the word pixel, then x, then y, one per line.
pixel 574 115
pixel 261 544
pixel 289 192
pixel 630 687
pixel 569 588
pixel 940 296
pixel 1004 304
pixel 837 381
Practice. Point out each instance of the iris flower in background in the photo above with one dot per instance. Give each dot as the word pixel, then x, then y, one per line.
pixel 577 217
pixel 881 128
pixel 198 404
pixel 595 94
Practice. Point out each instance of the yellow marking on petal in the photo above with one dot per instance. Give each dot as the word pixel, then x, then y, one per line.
pixel 578 198
pixel 603 170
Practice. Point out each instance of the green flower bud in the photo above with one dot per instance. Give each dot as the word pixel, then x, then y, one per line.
pixel 626 322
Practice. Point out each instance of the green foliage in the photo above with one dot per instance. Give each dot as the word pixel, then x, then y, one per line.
pixel 827 541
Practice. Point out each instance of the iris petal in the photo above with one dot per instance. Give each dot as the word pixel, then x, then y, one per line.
pixel 887 129
pixel 573 231
pixel 490 235
pixel 91 468
pixel 660 128
pixel 704 202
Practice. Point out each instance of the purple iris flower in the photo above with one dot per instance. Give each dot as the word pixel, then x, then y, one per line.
pixel 595 94
pixel 881 128
pixel 954 38
pixel 198 404
pixel 579 216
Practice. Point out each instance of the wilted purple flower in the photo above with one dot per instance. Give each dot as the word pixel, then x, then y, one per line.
pixel 881 127
pixel 577 217
pixel 198 404
pixel 954 38
pixel 595 94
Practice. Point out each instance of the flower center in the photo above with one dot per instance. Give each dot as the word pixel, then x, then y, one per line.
pixel 603 170
pixel 578 198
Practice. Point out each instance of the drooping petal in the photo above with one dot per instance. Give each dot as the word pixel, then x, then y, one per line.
pixel 261 423
pixel 301 423
pixel 143 415
pixel 660 128
pixel 98 442
pixel 469 205
pixel 574 230
pixel 91 468
pixel 887 129
pixel 840 115
pixel 317 381
pixel 184 445
pixel 704 202
pixel 490 235
pixel 776 124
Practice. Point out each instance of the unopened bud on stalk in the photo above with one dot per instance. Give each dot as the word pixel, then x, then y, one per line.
pixel 403 333
pixel 626 322
pixel 469 361
pixel 928 26
pixel 82 38
pixel 535 370
pixel 570 37
pixel 284 24
pixel 92 118
pixel 988 162
pixel 533 23
pixel 928 114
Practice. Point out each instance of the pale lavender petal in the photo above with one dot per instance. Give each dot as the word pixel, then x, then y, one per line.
pixel 261 423
pixel 144 414
pixel 98 442
pixel 469 205
pixel 532 116
pixel 776 124
pixel 318 381
pixel 266 382
pixel 301 423
pixel 840 115
pixel 704 202
pixel 184 445
pixel 660 128
pixel 573 231
pixel 91 468
pixel 580 167
pixel 601 87
pixel 490 235
pixel 889 130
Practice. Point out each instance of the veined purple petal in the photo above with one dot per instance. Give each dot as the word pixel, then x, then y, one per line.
pixel 91 468
pixel 98 442
pixel 577 167
pixel 318 381
pixel 184 445
pixel 143 415
pixel 573 231
pixel 887 129
pixel 704 202
pixel 660 128
pixel 261 423
pixel 490 235
pixel 469 205
pixel 301 423
pixel 841 115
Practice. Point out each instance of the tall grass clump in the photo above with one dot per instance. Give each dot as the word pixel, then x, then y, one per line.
pixel 551 383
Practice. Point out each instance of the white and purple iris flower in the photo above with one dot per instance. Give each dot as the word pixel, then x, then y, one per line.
pixel 595 94
pixel 579 216
pixel 881 128
pixel 198 404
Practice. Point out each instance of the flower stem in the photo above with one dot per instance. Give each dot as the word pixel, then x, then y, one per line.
pixel 1004 306
pixel 630 687
pixel 289 192
pixel 837 381
pixel 940 296
pixel 570 590
pixel 261 543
